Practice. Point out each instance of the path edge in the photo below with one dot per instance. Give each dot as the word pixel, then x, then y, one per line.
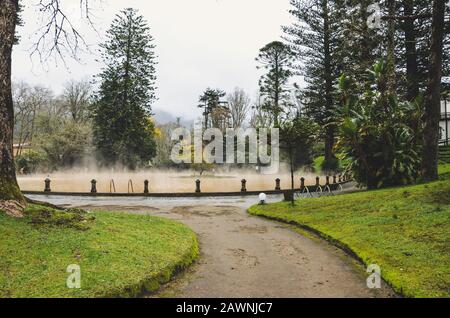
pixel 331 240
pixel 152 284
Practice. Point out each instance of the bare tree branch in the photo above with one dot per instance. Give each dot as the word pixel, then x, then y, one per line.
pixel 58 35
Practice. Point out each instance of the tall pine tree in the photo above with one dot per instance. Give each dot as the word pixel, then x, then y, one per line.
pixel 276 57
pixel 210 101
pixel 433 100
pixel 315 38
pixel 123 130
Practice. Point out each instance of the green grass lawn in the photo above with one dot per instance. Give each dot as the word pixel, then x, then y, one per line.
pixel 119 254
pixel 444 171
pixel 406 231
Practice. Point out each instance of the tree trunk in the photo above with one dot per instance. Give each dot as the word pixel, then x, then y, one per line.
pixel 330 159
pixel 410 52
pixel 9 189
pixel 432 105
pixel 391 47
pixel 277 93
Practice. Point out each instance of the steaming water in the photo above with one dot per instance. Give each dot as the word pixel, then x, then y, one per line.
pixel 160 182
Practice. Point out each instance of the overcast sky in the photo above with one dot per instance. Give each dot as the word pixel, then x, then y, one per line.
pixel 200 44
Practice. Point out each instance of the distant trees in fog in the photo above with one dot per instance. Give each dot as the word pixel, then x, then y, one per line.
pixel 51 131
pixel 77 96
pixel 239 103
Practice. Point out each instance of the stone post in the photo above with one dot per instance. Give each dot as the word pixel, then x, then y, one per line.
pixel 243 185
pixel 302 183
pixel 47 185
pixel 278 184
pixel 146 191
pixel 94 186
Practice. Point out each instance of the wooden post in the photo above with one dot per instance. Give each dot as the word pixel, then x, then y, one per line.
pixel 334 179
pixel 327 178
pixel 317 181
pixel 146 186
pixel 197 186
pixel 277 184
pixel 47 185
pixel 94 186
pixel 243 185
pixel 340 178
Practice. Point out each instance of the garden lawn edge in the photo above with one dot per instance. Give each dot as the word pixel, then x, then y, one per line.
pixel 333 241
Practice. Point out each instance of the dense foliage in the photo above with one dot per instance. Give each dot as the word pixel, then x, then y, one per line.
pixel 378 133
pixel 331 37
pixel 297 139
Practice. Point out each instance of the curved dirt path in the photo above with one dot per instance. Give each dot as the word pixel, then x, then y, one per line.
pixel 246 256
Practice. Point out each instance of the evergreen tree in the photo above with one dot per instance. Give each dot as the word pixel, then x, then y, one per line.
pixel 433 100
pixel 123 130
pixel 276 58
pixel 413 46
pixel 315 38
pixel 363 39
pixel 212 104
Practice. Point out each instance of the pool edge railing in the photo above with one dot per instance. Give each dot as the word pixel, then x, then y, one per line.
pixel 335 186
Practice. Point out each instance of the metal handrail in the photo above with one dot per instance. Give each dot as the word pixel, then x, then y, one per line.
pixel 112 186
pixel 306 191
pixel 328 189
pixel 130 183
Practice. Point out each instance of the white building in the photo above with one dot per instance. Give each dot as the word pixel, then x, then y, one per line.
pixel 444 129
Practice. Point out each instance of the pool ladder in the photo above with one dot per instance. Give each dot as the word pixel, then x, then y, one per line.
pixel 112 186
pixel 130 186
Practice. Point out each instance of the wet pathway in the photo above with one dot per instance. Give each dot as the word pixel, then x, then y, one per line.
pixel 243 255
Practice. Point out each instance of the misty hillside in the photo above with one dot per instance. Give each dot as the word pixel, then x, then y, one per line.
pixel 163 117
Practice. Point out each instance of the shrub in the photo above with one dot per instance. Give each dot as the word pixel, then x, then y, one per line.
pixel 65 144
pixel 29 162
pixel 378 134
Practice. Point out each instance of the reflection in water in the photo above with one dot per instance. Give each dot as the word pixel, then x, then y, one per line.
pixel 160 182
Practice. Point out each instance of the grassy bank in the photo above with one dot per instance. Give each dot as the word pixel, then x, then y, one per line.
pixel 404 230
pixel 444 171
pixel 119 254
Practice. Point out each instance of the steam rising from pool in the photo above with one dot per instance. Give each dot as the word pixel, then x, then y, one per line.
pixel 77 180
